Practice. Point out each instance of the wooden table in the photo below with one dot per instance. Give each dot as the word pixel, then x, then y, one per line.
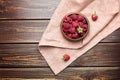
pixel 22 23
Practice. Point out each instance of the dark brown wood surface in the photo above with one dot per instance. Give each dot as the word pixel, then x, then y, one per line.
pixel 27 9
pixel 74 73
pixel 27 55
pixel 30 31
pixel 22 23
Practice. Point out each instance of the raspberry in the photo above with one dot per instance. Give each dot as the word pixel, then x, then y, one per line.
pixel 75 24
pixel 81 24
pixel 72 30
pixel 66 25
pixel 84 21
pixel 69 35
pixel 67 20
pixel 74 16
pixel 85 26
pixel 65 30
pixel 80 18
pixel 66 57
pixel 75 35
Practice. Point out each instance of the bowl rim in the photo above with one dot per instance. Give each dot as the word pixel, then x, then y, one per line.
pixel 78 39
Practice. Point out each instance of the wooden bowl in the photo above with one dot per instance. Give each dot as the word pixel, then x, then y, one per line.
pixel 77 39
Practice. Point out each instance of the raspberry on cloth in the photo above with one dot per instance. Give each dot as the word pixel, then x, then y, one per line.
pixel 53 45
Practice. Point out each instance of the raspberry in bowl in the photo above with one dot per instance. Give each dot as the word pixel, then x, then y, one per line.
pixel 75 26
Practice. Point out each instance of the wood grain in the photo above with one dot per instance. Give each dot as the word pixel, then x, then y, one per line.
pixel 86 73
pixel 25 31
pixel 21 31
pixel 27 55
pixel 27 9
pixel 22 23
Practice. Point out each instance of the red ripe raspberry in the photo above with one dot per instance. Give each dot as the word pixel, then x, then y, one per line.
pixel 73 16
pixel 80 18
pixel 81 24
pixel 69 35
pixel 66 57
pixel 75 35
pixel 67 20
pixel 75 24
pixel 66 25
pixel 72 30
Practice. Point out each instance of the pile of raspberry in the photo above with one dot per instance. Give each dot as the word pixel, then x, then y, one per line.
pixel 74 26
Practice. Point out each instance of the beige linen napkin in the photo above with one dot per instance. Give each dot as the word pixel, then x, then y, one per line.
pixel 53 45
